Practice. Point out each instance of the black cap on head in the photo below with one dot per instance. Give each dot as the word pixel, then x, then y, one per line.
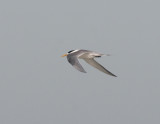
pixel 70 51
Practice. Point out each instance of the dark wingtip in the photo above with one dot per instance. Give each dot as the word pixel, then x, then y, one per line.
pixel 114 75
pixel 83 71
pixel 98 56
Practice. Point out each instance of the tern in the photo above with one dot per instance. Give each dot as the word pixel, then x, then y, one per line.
pixel 88 56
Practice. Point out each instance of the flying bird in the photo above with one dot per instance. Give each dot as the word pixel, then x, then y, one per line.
pixel 87 56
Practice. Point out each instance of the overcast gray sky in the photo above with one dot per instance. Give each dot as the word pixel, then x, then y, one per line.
pixel 37 86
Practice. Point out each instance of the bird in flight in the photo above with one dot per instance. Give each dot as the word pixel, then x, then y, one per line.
pixel 87 56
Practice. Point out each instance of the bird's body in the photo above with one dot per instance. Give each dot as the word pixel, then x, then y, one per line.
pixel 87 56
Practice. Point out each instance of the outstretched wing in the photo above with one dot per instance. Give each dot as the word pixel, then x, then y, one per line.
pixel 72 59
pixel 95 64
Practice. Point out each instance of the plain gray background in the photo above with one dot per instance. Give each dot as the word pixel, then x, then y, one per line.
pixel 37 86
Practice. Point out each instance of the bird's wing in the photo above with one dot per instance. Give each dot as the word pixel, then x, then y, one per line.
pixel 95 64
pixel 72 59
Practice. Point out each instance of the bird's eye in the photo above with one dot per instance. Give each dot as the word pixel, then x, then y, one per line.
pixel 70 51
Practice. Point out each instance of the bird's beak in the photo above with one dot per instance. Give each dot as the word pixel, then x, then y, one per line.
pixel 64 55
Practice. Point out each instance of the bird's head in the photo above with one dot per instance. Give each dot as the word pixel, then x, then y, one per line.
pixel 68 53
